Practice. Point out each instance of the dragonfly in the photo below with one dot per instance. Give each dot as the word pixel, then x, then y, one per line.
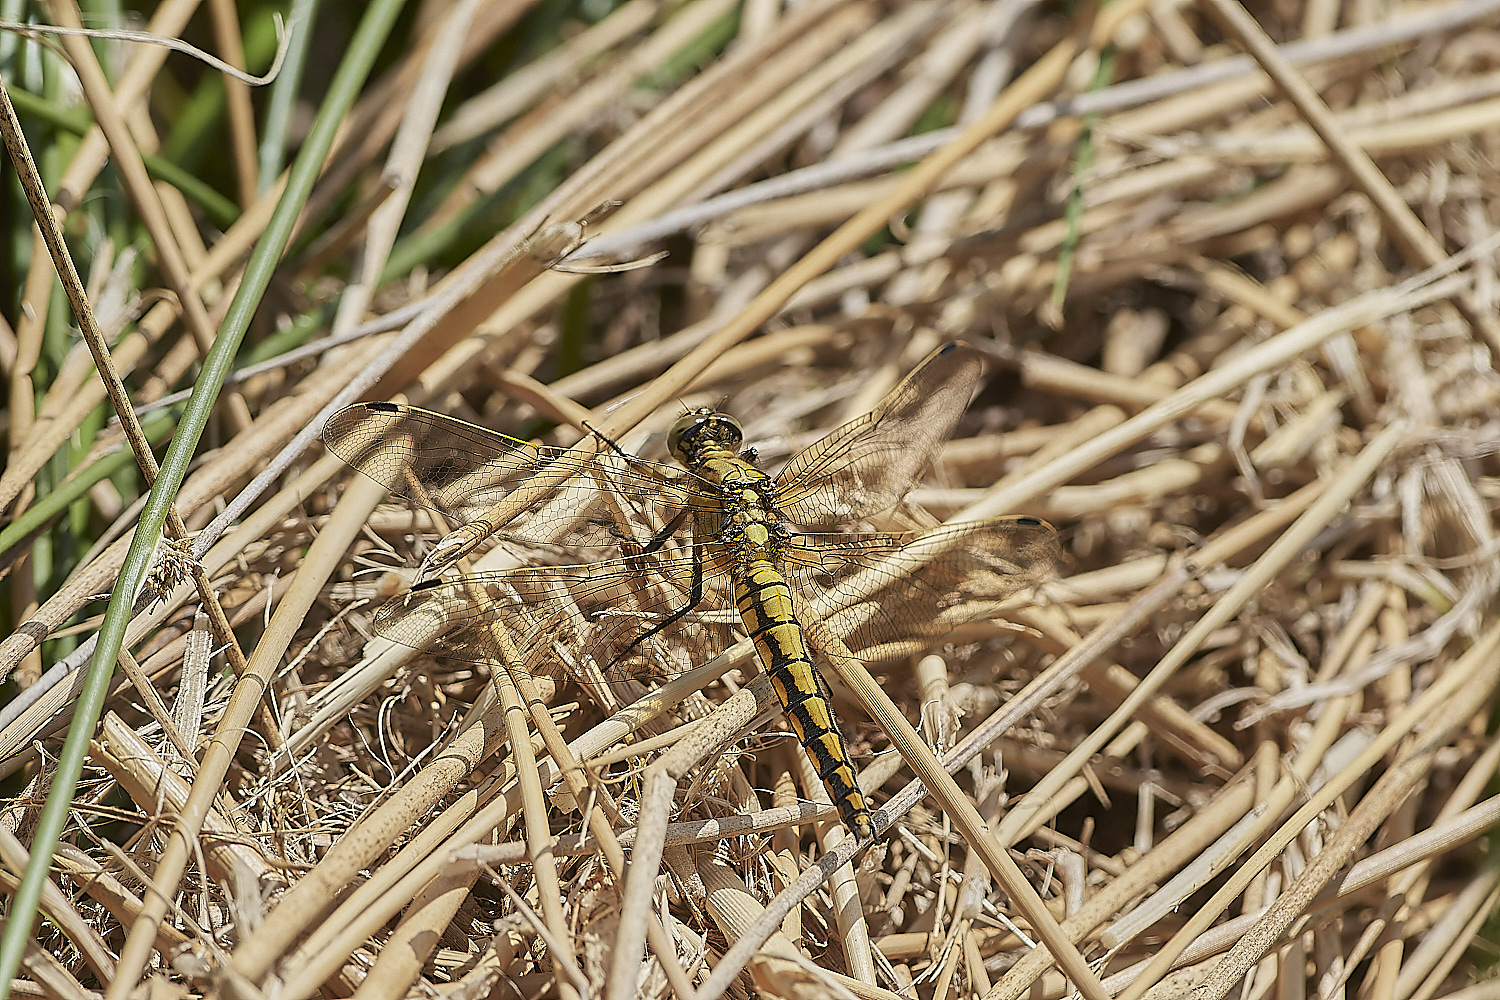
pixel 627 560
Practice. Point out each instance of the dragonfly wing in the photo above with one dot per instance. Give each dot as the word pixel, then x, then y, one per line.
pixel 869 464
pixel 618 617
pixel 461 470
pixel 879 589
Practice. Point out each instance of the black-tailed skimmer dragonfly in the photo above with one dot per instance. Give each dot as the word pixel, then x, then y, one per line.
pixel 678 548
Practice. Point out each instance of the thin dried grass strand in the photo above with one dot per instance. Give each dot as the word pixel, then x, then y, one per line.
pixel 1407 231
pixel 916 752
pixel 1463 671
pixel 322 559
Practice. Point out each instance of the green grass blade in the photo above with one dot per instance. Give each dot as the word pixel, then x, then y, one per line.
pixel 345 88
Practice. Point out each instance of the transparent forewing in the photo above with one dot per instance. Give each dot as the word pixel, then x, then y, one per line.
pixel 629 616
pixel 461 471
pixel 867 465
pixel 877 590
pixel 638 616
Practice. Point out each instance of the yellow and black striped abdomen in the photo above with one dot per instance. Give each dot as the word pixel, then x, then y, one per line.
pixel 765 604
pixel 744 526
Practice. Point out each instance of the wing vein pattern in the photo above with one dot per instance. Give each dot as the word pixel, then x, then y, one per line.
pixel 669 564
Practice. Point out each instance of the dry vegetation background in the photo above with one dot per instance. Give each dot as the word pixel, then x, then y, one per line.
pixel 1241 744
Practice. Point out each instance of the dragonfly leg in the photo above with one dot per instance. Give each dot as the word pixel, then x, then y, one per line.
pixel 695 597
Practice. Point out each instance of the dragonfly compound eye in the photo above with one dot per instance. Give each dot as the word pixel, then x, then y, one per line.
pixel 700 427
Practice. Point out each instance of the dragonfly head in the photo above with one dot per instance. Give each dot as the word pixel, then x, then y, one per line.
pixel 702 427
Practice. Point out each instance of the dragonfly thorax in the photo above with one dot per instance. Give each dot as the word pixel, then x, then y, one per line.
pixel 699 432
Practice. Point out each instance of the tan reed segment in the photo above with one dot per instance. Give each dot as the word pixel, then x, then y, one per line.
pixel 1031 808
pixel 1127 577
pixel 784 841
pixel 127 159
pixel 237 97
pixel 412 942
pixel 306 899
pixel 776 819
pixel 28 336
pixel 69 400
pixel 652 357
pixel 799 121
pixel 370 906
pixel 992 163
pixel 48 976
pixel 682 121
pixel 108 891
pixel 937 718
pixel 727 94
pixel 542 398
pixel 58 907
pixel 1322 500
pixel 779 969
pixel 955 804
pixel 415 937
pixel 156 708
pixel 347 232
pixel 1446 921
pixel 1166 478
pixel 144 61
pixel 1335 496
pixel 1296 144
pixel 538 831
pixel 1067 437
pixel 1411 237
pixel 969 27
pixel 1470 668
pixel 321 560
pixel 1238 799
pixel 1052 374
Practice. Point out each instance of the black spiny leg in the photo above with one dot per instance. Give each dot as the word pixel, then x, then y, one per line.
pixel 695 597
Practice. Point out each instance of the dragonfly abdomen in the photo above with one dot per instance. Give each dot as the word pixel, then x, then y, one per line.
pixel 765 604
